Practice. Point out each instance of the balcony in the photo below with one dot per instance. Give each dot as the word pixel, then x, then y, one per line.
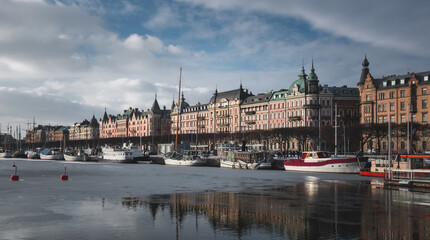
pixel 201 118
pixel 221 116
pixel 250 122
pixel 223 124
pixel 311 106
pixel 250 113
pixel 202 126
pixel 295 118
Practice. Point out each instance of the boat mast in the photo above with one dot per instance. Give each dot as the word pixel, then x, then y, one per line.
pixel 178 109
pixel 335 130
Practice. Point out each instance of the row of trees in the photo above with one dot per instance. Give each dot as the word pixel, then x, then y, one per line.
pixel 351 138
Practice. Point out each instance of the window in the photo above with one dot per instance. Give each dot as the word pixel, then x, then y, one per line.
pixel 368 97
pixel 384 119
pixel 402 145
pixel 426 78
pixel 380 119
pixel 391 119
pixel 384 108
pixel 414 118
pixel 402 93
pixel 392 95
pixel 424 103
pixel 367 120
pixel 424 115
pixel 379 108
pixel 402 81
pixel 424 91
pixel 402 105
pixel 391 106
pixel 381 96
pixel 402 118
pixel 384 84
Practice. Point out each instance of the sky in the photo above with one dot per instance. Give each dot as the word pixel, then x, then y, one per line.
pixel 61 61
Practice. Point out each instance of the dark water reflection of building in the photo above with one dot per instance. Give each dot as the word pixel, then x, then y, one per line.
pixel 315 209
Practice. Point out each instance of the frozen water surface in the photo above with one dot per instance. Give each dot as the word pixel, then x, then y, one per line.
pixel 143 201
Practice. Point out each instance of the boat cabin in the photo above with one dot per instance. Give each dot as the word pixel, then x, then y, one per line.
pixel 315 156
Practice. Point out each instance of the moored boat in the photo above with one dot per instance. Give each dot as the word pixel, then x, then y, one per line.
pixel 32 154
pixel 321 161
pixel 5 153
pixel 116 155
pixel 381 167
pixel 177 159
pixel 51 154
pixel 75 156
pixel 247 160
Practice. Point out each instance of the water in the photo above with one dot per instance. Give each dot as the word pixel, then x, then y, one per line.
pixel 114 201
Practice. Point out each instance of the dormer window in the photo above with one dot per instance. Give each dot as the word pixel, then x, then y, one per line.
pixel 402 81
pixel 426 78
pixel 393 83
pixel 384 84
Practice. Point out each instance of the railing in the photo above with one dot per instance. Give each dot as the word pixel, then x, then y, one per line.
pixel 410 175
pixel 250 112
pixel 250 122
pixel 295 118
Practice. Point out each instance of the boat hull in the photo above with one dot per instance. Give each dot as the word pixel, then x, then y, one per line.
pixel 74 158
pixel 175 162
pixel 372 174
pixel 328 166
pixel 104 160
pixel 51 157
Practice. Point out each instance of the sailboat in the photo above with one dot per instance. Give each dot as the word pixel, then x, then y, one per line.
pixel 175 158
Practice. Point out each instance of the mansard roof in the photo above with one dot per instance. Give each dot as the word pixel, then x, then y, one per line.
pixel 240 94
pixel 394 81
pixel 259 98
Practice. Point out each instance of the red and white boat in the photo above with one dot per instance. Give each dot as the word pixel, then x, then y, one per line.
pixel 321 161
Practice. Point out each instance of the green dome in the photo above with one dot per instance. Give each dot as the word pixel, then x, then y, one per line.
pixel 301 82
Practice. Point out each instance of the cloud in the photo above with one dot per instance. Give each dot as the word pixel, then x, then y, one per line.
pixel 377 23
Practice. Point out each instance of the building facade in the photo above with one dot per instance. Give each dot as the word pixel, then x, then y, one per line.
pixel 400 99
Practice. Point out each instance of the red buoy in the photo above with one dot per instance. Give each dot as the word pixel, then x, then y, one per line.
pixel 64 177
pixel 14 177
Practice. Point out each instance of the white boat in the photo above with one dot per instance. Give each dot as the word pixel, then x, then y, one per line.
pixel 177 159
pixel 136 152
pixel 32 154
pixel 321 161
pixel 247 160
pixel 75 156
pixel 5 153
pixel 116 155
pixel 51 154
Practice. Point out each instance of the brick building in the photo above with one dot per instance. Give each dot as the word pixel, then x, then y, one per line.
pixel 400 99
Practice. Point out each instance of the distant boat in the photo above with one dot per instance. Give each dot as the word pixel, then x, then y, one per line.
pixel 32 154
pixel 116 155
pixel 5 153
pixel 51 154
pixel 136 152
pixel 75 156
pixel 321 161
pixel 177 159
pixel 247 160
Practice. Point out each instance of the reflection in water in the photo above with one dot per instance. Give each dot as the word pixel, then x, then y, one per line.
pixel 315 209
